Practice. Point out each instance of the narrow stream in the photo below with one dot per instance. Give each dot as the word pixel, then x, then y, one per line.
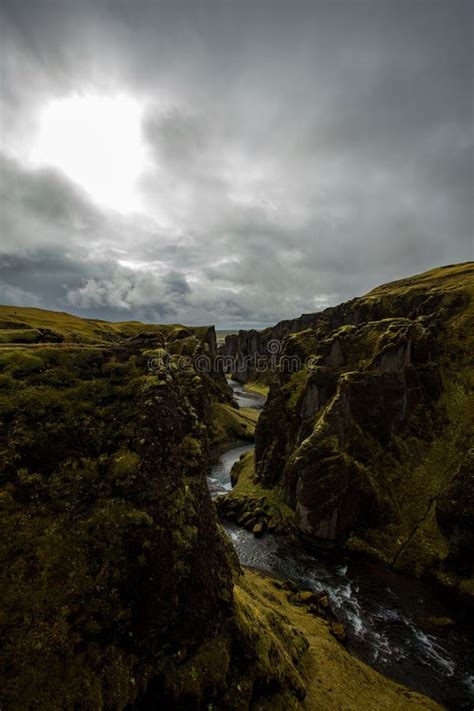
pixel 245 398
pixel 386 614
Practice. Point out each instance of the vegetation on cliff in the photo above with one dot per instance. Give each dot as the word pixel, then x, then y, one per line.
pixel 117 587
pixel 107 529
pixel 231 425
pixel 370 444
pixel 330 676
pixel 252 505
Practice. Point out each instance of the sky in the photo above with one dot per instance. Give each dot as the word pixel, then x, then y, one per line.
pixel 230 162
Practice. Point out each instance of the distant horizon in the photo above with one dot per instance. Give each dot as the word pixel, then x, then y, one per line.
pixel 231 327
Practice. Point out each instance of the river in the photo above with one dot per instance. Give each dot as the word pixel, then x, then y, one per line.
pixel 386 613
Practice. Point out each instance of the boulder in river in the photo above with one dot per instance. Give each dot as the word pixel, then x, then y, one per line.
pixel 305 597
pixel 338 631
pixel 259 529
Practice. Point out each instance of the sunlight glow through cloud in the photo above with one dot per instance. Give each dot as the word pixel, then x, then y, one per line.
pixel 168 162
pixel 96 141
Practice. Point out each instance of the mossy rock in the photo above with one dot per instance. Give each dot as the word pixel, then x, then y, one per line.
pixel 365 444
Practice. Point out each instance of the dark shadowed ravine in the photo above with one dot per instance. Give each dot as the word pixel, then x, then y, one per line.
pixel 387 614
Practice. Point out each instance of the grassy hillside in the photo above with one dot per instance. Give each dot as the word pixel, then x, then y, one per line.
pixel 448 278
pixel 22 324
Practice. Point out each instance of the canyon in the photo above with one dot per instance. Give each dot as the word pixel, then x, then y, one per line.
pixel 370 446
pixel 119 586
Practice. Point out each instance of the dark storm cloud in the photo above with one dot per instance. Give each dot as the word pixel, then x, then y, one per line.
pixel 87 286
pixel 176 284
pixel 309 149
pixel 45 196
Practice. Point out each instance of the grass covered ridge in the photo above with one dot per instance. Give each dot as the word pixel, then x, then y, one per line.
pixel 366 444
pixel 102 483
pixel 231 424
pixel 22 324
pixel 331 678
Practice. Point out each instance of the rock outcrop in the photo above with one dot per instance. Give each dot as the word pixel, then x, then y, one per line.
pixel 455 517
pixel 117 587
pixel 241 351
pixel 368 440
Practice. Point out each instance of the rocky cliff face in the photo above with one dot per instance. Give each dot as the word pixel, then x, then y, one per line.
pixel 243 348
pixel 116 584
pixel 368 443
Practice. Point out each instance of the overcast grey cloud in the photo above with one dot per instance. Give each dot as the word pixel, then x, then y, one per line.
pixel 291 154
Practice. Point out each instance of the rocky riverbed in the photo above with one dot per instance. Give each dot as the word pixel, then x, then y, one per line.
pixel 398 625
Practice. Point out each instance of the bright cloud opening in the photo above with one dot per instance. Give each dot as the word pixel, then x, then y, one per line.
pixel 97 142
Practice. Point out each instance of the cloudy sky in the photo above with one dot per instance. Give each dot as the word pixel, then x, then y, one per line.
pixel 230 162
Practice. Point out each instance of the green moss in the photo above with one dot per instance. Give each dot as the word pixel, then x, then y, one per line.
pixel 19 363
pixel 257 387
pixel 206 670
pixel 191 450
pixel 303 343
pixel 466 587
pixel 295 387
pixel 357 545
pixel 254 496
pixel 19 335
pixel 230 424
pixel 95 496
pixel 277 646
pixel 124 465
pixel 298 657
pixel 6 382
pixel 375 433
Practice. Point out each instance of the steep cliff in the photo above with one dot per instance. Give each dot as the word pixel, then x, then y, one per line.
pixel 116 584
pixel 368 441
pixel 240 351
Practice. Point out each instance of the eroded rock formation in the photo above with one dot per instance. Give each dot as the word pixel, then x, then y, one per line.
pixel 116 583
pixel 368 443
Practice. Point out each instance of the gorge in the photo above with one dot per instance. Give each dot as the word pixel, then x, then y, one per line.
pixel 369 445
pixel 236 355
pixel 392 621
pixel 345 496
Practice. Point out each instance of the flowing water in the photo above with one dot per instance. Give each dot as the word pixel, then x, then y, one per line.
pixel 386 614
pixel 219 477
pixel 245 398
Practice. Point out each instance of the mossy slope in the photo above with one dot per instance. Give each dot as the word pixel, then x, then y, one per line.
pixel 231 424
pixel 116 585
pixel 23 324
pixel 113 571
pixel 330 676
pixel 365 440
